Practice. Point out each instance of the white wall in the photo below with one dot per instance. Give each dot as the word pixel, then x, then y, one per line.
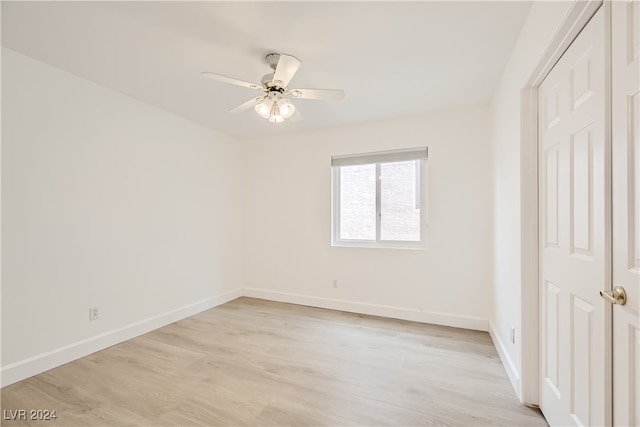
pixel 109 202
pixel 288 252
pixel 90 180
pixel 542 22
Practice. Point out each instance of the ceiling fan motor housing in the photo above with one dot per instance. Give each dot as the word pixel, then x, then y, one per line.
pixel 270 85
pixel 267 80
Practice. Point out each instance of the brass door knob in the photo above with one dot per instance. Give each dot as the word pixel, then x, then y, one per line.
pixel 616 296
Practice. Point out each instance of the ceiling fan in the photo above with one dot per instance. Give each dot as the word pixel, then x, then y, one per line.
pixel 273 104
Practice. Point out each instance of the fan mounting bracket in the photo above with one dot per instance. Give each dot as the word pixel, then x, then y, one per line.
pixel 272 59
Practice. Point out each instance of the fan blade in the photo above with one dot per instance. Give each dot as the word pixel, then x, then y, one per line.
pixel 225 79
pixel 285 70
pixel 246 105
pixel 324 94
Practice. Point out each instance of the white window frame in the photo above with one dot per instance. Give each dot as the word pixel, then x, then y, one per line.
pixel 419 154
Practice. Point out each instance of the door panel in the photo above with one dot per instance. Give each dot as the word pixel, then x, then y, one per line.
pixel 574 252
pixel 626 208
pixel 581 149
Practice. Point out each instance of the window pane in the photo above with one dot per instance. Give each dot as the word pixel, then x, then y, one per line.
pixel 400 201
pixel 358 202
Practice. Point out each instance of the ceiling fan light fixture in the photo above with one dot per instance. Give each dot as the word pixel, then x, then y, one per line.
pixel 276 115
pixel 275 108
pixel 286 108
pixel 264 108
pixel 276 118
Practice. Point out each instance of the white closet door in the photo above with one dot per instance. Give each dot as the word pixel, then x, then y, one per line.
pixel 626 209
pixel 575 229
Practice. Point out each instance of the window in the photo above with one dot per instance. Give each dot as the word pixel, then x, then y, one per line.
pixel 378 198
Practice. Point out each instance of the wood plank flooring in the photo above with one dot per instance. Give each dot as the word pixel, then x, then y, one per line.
pixel 257 363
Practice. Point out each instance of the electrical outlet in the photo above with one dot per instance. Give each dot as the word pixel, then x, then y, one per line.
pixel 94 313
pixel 513 335
pixel 335 283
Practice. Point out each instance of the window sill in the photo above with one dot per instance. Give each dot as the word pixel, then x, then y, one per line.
pixel 383 245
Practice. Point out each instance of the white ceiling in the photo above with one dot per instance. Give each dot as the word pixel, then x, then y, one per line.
pixel 391 58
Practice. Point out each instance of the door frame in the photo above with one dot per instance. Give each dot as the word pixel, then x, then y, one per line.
pixel 578 15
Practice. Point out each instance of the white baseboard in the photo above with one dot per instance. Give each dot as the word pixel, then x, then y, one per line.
pixel 414 315
pixel 507 362
pixel 43 362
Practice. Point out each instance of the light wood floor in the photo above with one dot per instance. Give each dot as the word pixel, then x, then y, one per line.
pixel 259 363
